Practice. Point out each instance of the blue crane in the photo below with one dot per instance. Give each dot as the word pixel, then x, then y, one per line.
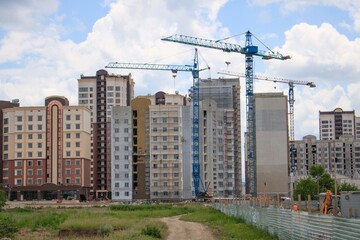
pixel 195 101
pixel 249 51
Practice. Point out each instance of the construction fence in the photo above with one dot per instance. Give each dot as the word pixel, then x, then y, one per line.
pixel 288 224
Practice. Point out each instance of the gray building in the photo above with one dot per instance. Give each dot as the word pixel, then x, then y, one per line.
pixel 220 123
pixel 121 154
pixel 272 149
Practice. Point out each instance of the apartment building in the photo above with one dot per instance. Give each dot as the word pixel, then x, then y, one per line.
pixel 336 123
pixel 100 93
pixel 220 136
pixel 122 146
pixel 272 153
pixel 170 147
pixel 4 104
pixel 46 150
pixel 338 155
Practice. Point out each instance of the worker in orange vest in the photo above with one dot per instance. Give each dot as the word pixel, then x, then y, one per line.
pixel 295 207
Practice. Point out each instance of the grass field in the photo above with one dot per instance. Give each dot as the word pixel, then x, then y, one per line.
pixel 117 222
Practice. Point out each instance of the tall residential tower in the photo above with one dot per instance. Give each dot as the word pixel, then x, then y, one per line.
pixel 100 93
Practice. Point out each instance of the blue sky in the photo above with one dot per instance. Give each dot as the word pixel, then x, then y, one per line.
pixel 46 45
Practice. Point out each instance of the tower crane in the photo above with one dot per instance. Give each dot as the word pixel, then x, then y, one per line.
pixel 249 51
pixel 195 103
pixel 291 100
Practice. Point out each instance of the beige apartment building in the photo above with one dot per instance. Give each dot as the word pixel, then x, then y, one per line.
pixel 46 150
pixel 160 149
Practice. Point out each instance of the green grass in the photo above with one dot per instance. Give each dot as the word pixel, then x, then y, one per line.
pixel 126 222
pixel 226 227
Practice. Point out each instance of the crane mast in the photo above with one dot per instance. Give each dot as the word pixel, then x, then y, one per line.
pixel 249 51
pixel 195 101
pixel 291 100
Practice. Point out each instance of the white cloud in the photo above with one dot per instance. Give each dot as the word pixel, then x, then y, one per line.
pixel 25 14
pixel 130 32
pixel 289 6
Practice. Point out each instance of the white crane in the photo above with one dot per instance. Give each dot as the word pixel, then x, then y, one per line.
pixel 291 105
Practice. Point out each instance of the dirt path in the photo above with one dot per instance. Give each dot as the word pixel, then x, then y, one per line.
pixel 181 230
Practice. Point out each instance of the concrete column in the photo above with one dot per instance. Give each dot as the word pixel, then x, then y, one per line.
pixel 39 195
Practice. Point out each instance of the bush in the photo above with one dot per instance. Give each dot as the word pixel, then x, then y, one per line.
pixel 8 227
pixel 105 230
pixel 2 199
pixel 152 231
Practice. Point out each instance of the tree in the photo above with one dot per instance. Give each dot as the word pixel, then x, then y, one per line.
pixel 326 182
pixel 306 187
pixel 2 199
pixel 317 171
pixel 344 187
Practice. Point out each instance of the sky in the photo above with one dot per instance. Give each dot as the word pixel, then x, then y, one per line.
pixel 46 45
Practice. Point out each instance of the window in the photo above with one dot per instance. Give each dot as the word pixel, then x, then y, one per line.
pixel 68 163
pixel 39 163
pixel 39 118
pixel 30 154
pixel 67 126
pixel 39 136
pixel 127 185
pixel 117 185
pixel 68 180
pixel 165 129
pixel 30 127
pixel 6 121
pixel 77 117
pixel 68 153
pixel 39 127
pixel 18 181
pixel 68 144
pixel 126 166
pixel 18 172
pixel 77 153
pixel 39 145
pixel 6 129
pixel 18 145
pixel 77 126
pixel 68 117
pixel 30 163
pixel 39 181
pixel 30 172
pixel 77 135
pixel 29 181
pixel 30 136
pixel 77 162
pixel 176 175
pixel 39 154
pixel 68 135
pixel 68 171
pixel 77 181
pixel 19 154
pixel 19 118
pixel 18 163
pixel 165 175
pixel 126 175
pixel 77 144
pixel 18 136
pixel 39 172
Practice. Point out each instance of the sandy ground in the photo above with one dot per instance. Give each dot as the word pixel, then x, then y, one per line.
pixel 181 230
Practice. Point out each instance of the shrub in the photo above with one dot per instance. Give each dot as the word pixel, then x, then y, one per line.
pixel 2 199
pixel 105 230
pixel 152 231
pixel 8 227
